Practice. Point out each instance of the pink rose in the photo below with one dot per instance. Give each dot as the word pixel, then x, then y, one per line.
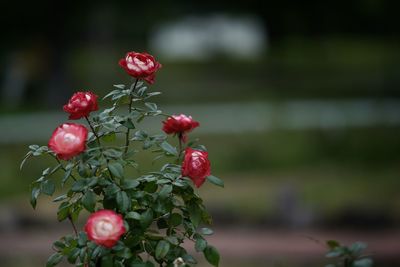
pixel 180 125
pixel 81 104
pixel 196 166
pixel 105 228
pixel 68 140
pixel 140 65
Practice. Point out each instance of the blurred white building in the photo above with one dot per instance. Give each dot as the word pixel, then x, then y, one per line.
pixel 203 37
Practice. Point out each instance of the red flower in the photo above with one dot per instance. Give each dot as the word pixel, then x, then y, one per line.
pixel 140 65
pixel 179 125
pixel 196 166
pixel 81 104
pixel 68 140
pixel 105 228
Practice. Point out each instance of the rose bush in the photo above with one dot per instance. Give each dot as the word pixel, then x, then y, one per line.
pixel 137 219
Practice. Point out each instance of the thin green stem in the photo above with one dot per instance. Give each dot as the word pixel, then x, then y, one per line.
pixel 62 167
pixel 127 139
pixel 99 143
pixel 94 132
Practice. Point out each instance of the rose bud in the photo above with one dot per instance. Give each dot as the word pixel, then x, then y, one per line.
pixel 140 65
pixel 105 227
pixel 68 140
pixel 81 104
pixel 180 125
pixel 196 166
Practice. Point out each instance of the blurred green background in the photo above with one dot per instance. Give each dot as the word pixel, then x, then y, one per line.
pixel 299 105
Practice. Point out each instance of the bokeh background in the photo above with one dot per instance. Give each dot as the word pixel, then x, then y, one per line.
pixel 299 104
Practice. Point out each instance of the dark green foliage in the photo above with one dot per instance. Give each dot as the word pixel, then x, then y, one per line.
pixel 351 256
pixel 160 208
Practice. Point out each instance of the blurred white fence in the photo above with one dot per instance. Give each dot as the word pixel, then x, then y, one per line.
pixel 232 118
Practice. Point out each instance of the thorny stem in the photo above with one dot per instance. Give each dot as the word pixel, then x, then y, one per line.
pixel 98 142
pixel 127 140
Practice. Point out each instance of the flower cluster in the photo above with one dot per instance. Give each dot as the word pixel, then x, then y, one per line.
pixel 123 209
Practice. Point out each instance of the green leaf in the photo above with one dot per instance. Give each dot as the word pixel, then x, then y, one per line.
pixel 363 263
pixel 151 106
pixel 133 215
pixel 175 219
pixel 195 214
pixel 116 169
pixel 332 244
pixel 150 187
pixel 63 211
pixel 89 200
pixel 119 86
pixel 146 218
pixel 109 137
pixel 125 253
pixel 129 184
pixel 34 195
pixel 140 135
pixel 357 248
pixel 142 264
pixel 200 244
pixel 60 198
pixel 162 249
pixel 336 252
pixel 111 190
pixel 79 185
pixel 169 149
pixel 97 252
pixel 123 201
pixel 206 231
pixel 108 262
pixel 73 255
pixel 165 191
pixel 27 156
pixel 54 259
pixel 128 124
pixel 48 187
pixel 173 240
pixel 112 153
pixel 215 180
pixel 189 259
pixel 212 256
pixel 67 174
pixel 82 239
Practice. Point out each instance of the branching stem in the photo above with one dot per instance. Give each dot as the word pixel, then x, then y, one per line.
pixel 127 139
pixel 99 143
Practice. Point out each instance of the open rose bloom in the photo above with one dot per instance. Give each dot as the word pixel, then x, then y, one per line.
pixel 179 125
pixel 196 166
pixel 140 65
pixel 68 140
pixel 81 104
pixel 105 228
